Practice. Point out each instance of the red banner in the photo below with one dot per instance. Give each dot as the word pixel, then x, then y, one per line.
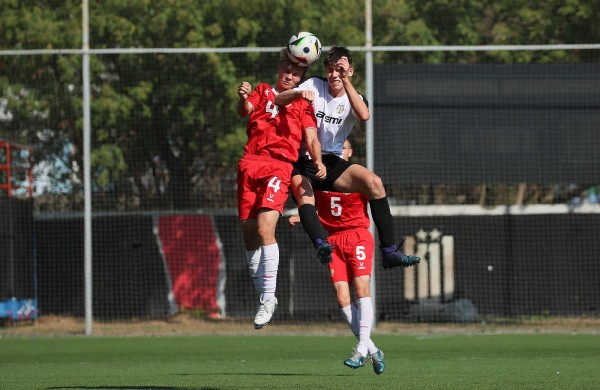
pixel 192 252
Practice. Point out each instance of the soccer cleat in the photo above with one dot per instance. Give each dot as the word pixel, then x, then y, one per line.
pixel 324 251
pixel 392 257
pixel 378 363
pixel 265 313
pixel 356 360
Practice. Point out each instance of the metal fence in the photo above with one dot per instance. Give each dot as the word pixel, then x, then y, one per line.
pixel 491 171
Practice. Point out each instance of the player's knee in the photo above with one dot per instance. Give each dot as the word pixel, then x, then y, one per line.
pixel 344 301
pixel 375 185
pixel 363 292
pixel 301 198
pixel 266 235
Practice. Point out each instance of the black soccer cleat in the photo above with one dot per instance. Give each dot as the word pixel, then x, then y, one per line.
pixel 324 251
pixel 393 257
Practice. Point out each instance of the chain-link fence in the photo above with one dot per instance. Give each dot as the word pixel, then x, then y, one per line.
pixel 491 168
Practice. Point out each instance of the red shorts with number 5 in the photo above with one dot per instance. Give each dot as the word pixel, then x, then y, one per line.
pixel 352 255
pixel 263 182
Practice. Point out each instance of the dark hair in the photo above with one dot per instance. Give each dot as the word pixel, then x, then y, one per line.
pixel 335 53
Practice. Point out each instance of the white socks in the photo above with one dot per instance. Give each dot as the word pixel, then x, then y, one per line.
pixel 351 314
pixel 263 264
pixel 270 264
pixel 365 320
pixel 253 259
pixel 359 316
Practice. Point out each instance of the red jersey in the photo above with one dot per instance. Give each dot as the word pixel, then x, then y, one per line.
pixel 273 133
pixel 346 219
pixel 340 211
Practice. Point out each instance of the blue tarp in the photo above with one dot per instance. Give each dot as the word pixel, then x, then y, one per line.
pixel 19 309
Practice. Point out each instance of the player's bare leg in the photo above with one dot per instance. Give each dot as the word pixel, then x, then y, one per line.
pixel 359 179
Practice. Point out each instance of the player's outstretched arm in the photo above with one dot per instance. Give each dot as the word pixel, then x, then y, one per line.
pixel 286 97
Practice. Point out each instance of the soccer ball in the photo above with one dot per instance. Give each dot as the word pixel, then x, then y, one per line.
pixel 304 48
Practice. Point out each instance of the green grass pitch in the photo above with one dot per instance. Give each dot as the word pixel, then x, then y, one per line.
pixel 478 361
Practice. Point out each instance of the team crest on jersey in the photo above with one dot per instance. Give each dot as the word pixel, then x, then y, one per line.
pixel 340 108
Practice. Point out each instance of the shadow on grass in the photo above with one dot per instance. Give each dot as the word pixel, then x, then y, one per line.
pixel 185 388
pixel 260 374
pixel 182 388
pixel 131 388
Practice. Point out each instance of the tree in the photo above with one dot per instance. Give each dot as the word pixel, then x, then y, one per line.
pixel 164 129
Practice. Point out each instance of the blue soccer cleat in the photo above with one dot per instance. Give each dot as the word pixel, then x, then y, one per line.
pixel 356 360
pixel 378 363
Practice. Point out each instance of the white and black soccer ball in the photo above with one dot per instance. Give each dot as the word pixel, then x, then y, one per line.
pixel 304 48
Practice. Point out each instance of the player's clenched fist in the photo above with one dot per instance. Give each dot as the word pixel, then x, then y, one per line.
pixel 244 90
pixel 307 95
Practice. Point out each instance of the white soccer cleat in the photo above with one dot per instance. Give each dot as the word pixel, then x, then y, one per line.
pixel 265 313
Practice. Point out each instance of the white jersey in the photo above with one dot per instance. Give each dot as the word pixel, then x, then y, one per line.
pixel 335 117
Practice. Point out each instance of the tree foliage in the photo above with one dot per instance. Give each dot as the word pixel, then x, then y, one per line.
pixel 164 129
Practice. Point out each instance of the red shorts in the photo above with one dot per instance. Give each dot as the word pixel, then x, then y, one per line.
pixel 262 182
pixel 352 255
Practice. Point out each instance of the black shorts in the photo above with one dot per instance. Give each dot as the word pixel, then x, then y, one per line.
pixel 335 167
